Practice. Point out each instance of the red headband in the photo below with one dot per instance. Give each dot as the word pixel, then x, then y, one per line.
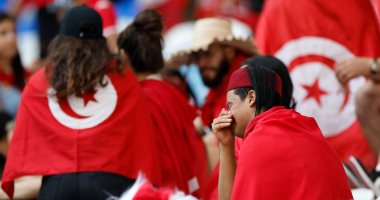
pixel 240 79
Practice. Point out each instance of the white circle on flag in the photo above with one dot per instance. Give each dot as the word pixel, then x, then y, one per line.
pixel 331 106
pixel 87 114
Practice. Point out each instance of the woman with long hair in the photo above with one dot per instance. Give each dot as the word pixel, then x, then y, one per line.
pixel 182 153
pixel 11 71
pixel 82 122
pixel 12 74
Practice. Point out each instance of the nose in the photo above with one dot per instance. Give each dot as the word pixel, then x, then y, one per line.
pixel 202 61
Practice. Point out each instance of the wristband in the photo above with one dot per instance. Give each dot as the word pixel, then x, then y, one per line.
pixel 374 67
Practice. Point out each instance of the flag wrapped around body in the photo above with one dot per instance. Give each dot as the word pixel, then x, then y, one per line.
pixel 106 130
pixel 182 152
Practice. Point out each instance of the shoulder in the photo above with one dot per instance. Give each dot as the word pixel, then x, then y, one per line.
pixel 37 81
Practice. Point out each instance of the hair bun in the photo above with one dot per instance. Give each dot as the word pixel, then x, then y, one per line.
pixel 149 21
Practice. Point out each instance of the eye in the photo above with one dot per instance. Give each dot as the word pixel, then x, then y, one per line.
pixel 229 105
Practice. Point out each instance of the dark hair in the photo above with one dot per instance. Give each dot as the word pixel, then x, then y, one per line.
pixel 142 42
pixel 4 119
pixel 280 69
pixel 75 65
pixel 17 68
pixel 264 84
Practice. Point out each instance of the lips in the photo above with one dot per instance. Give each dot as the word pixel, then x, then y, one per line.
pixel 207 70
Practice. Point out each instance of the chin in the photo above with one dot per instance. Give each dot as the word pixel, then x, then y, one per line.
pixel 238 133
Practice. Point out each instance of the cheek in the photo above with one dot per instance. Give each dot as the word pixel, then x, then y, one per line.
pixel 240 116
pixel 215 62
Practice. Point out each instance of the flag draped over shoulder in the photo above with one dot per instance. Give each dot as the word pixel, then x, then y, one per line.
pixel 108 130
pixel 182 152
pixel 284 156
pixel 310 36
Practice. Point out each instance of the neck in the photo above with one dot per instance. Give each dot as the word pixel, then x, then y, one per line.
pixel 5 65
pixel 148 75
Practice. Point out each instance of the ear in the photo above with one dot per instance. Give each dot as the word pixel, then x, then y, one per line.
pixel 251 96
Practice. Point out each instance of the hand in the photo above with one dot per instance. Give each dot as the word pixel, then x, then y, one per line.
pixel 221 127
pixel 351 68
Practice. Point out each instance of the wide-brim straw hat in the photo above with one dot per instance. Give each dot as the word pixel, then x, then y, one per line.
pixel 215 30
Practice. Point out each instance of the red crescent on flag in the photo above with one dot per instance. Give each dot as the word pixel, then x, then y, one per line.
pixel 65 106
pixel 317 58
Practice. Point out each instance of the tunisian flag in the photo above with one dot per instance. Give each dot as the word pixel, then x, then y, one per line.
pixel 275 161
pixel 106 130
pixel 310 36
pixel 182 152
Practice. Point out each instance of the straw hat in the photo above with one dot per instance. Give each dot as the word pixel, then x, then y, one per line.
pixel 215 30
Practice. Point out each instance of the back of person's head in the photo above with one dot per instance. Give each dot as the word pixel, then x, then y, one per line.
pixel 265 82
pixel 142 42
pixel 280 69
pixel 78 56
pixel 17 68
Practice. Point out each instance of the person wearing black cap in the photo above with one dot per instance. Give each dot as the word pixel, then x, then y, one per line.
pixel 79 122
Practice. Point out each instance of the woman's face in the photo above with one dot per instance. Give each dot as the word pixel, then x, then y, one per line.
pixel 8 44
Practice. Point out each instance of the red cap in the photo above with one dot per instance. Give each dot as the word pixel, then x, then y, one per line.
pixel 240 79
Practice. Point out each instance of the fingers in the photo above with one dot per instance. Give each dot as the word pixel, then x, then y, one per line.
pixel 222 119
pixel 216 127
pixel 221 122
pixel 224 112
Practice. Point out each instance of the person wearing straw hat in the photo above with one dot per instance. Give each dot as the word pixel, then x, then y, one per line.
pixel 217 52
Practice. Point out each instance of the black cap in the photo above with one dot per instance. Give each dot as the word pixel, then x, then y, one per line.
pixel 82 22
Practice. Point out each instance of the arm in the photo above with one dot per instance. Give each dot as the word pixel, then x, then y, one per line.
pixel 26 187
pixel 367 103
pixel 354 67
pixel 221 127
pixel 227 171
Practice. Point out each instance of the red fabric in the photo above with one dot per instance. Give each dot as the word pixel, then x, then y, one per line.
pixel 233 9
pixel 106 11
pixel 376 7
pixel 173 12
pixel 148 192
pixel 276 163
pixel 182 152
pixel 6 79
pixel 211 192
pixel 9 79
pixel 123 144
pixel 38 3
pixel 240 79
pixel 349 23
